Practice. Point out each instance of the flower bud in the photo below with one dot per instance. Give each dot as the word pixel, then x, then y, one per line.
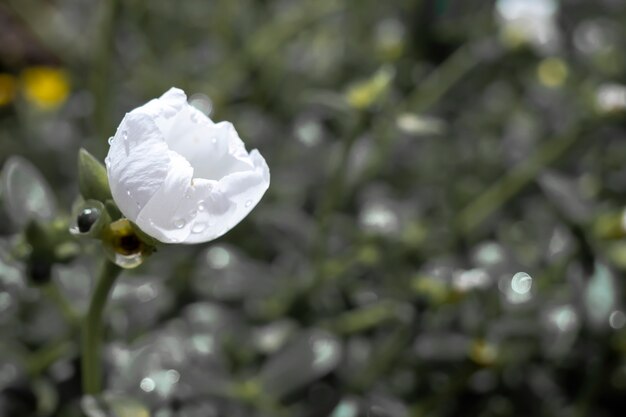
pixel 90 219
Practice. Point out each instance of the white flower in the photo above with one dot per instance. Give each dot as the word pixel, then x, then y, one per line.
pixel 532 20
pixel 180 177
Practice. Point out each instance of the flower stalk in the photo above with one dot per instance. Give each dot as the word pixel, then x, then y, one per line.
pixel 93 329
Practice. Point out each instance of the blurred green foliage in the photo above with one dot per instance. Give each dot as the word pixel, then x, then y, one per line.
pixel 423 154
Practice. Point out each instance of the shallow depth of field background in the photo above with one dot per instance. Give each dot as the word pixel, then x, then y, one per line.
pixel 423 155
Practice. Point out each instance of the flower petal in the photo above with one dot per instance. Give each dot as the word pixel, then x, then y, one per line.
pixel 229 201
pixel 165 109
pixel 214 150
pixel 159 218
pixel 137 163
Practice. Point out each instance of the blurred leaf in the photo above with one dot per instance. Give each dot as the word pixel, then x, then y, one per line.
pixel 313 354
pixel 565 193
pixel 25 193
pixel 368 316
pixel 600 295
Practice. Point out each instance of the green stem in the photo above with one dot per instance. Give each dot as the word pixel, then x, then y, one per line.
pixel 92 329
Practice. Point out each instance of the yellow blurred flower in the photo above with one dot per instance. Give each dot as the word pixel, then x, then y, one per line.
pixel 364 94
pixel 8 85
pixel 46 87
pixel 552 72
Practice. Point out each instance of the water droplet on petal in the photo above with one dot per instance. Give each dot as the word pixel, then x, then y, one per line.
pixel 199 227
pixel 213 140
pixel 194 117
pixel 111 139
pixel 125 137
pixel 107 161
pixel 248 203
pixel 128 192
pixel 193 213
pixel 201 206
pixel 179 223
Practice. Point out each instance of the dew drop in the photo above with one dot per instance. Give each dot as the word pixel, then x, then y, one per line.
pixel 128 192
pixel 111 139
pixel 213 140
pixel 179 223
pixel 199 227
pixel 125 137
pixel 107 161
pixel 201 206
pixel 248 203
pixel 194 117
pixel 129 261
pixel 193 213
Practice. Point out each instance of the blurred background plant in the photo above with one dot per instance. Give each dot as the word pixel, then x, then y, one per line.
pixel 444 233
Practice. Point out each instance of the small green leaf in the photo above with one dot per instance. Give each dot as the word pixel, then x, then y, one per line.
pixel 92 177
